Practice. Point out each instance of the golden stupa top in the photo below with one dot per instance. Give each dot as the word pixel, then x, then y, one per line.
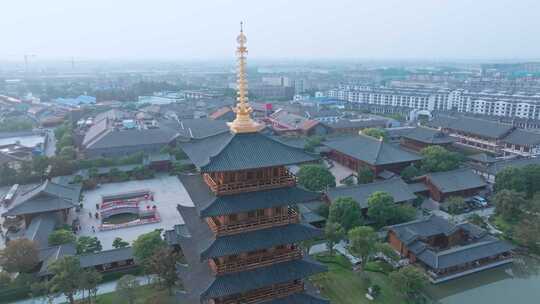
pixel 243 123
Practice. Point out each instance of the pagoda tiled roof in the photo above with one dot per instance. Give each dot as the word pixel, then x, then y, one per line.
pixel 209 204
pixel 207 245
pixel 200 282
pixel 240 151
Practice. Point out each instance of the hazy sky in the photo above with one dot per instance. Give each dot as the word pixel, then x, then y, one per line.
pixel 204 29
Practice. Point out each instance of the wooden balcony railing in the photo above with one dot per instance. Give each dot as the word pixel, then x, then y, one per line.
pixel 220 229
pixel 252 262
pixel 263 294
pixel 250 185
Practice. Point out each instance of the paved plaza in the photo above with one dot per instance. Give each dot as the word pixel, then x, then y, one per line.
pixel 168 193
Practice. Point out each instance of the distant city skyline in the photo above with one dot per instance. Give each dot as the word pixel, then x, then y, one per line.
pixel 304 30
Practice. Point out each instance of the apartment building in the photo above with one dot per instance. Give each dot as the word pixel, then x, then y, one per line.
pixel 414 98
pixel 487 102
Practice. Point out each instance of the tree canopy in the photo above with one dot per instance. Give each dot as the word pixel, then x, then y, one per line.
pixel 88 244
pixel 127 287
pixel 147 244
pixel 526 180
pixel 61 236
pixel 438 159
pixel 510 205
pixel 455 205
pixel 410 172
pixel 163 263
pixel 333 233
pixel 20 255
pixel 346 212
pixel 365 175
pixel 376 133
pixel 363 242
pixel 315 177
pixel 66 273
pixel 409 281
pixel 383 210
pixel 119 243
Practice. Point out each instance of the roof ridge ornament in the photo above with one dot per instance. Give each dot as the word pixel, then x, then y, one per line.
pixel 243 123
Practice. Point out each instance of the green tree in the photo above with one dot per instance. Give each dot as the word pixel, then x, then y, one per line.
pixel 39 164
pixel 365 175
pixel 67 152
pixel 313 142
pixel 455 204
pixel 127 287
pixel 519 179
pixel 89 282
pixel 510 178
pixel 20 255
pixel 346 212
pixel 388 251
pixel 88 244
pixel 5 279
pixel 409 281
pixel 8 175
pixel 509 205
pixel 376 133
pixel 147 244
pixel 119 243
pixel 315 177
pixel 65 141
pixel 363 242
pixel 333 232
pixel 383 210
pixel 477 220
pixel 323 210
pixel 532 180
pixel 163 264
pixel 66 277
pixel 61 236
pixel 44 289
pixel 436 159
pixel 409 173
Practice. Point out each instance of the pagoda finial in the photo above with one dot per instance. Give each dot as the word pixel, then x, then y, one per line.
pixel 243 123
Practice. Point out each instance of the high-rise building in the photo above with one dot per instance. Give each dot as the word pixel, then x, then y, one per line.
pixel 241 238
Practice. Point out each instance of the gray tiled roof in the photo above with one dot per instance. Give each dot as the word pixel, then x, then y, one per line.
pixel 368 123
pixel 456 180
pixel 52 254
pixel 211 205
pixel 125 138
pixel 230 152
pixel 396 187
pixel 481 244
pixel 522 137
pixel 464 254
pixel 46 197
pixel 482 158
pixel 371 150
pixel 106 257
pixel 261 277
pixel 428 136
pixel 197 128
pixel 485 128
pixel 298 298
pixel 426 227
pixel 207 245
pixel 40 228
pixel 495 168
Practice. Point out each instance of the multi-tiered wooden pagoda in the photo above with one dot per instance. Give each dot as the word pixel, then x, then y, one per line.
pixel 241 240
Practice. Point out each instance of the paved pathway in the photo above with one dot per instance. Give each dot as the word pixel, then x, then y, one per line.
pixel 102 289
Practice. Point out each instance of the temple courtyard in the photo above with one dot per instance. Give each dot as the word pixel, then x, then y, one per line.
pixel 167 190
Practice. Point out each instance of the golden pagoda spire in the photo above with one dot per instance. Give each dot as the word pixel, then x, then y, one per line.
pixel 243 123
